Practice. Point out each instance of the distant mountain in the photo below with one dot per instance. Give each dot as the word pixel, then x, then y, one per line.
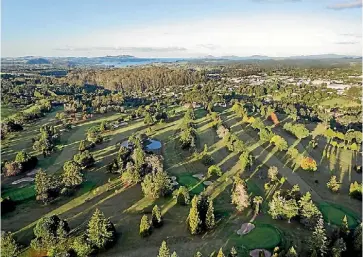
pixel 322 56
pixel 38 61
pixel 118 56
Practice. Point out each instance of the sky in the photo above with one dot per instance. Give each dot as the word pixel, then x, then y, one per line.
pixel 188 28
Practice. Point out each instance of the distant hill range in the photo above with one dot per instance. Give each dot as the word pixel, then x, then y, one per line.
pixel 124 60
pixel 297 57
pixel 38 61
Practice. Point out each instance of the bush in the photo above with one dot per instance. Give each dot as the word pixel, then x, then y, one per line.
pixel 214 169
pixel 355 190
pixel 182 195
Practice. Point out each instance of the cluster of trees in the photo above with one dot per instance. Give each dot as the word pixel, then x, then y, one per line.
pixel 297 130
pixel 201 215
pixel 33 112
pixel 187 132
pixel 156 222
pixel 148 79
pixel 23 162
pixel 47 140
pixel 289 204
pixel 53 238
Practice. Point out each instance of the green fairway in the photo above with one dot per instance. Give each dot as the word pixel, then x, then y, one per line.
pixel 334 214
pixel 339 102
pixel 6 111
pixel 194 185
pixel 20 194
pixel 262 236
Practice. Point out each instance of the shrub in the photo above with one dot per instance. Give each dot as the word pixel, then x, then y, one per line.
pixel 355 190
pixel 308 163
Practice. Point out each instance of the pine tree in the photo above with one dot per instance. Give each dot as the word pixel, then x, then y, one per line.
pixel 198 254
pixel 82 146
pixel 156 217
pixel 194 222
pixel 145 227
pixel 291 252
pixel 43 185
pixel 9 247
pixel 233 252
pixel 220 253
pixel 257 200
pixel 101 232
pixel 72 175
pixel 338 247
pixel 333 184
pixel 174 254
pixel 209 219
pixel 314 254
pixel 164 250
pixel 344 227
pixel 319 239
pixel 357 237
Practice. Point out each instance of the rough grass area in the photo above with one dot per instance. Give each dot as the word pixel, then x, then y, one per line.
pixel 263 236
pixel 194 185
pixel 20 194
pixel 334 214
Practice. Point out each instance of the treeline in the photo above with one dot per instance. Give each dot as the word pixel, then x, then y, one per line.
pixel 134 79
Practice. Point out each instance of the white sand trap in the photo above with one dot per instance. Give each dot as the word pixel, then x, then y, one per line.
pixel 173 178
pixel 22 180
pixel 199 176
pixel 245 229
pixel 174 183
pixel 207 183
pixel 256 252
pixel 33 172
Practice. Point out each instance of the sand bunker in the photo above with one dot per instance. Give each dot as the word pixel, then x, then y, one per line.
pixel 207 183
pixel 174 183
pixel 23 180
pixel 199 176
pixel 245 229
pixel 173 178
pixel 33 172
pixel 256 252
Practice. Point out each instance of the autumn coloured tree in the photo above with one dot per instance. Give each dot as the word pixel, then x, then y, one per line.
pixel 274 118
pixel 308 163
pixel 240 196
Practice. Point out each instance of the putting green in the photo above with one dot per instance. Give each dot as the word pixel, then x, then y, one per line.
pixel 262 236
pixel 194 185
pixel 334 214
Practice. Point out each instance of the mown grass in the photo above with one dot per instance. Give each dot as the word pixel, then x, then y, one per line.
pixel 194 185
pixel 262 236
pixel 334 213
pixel 19 194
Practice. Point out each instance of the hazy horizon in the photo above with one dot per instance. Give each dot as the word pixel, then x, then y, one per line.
pixel 190 29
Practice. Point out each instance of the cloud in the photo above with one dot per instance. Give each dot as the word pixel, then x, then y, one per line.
pixel 125 49
pixel 208 46
pixel 347 43
pixel 346 5
pixel 354 35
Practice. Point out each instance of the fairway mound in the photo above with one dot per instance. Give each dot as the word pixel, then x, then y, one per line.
pixel 256 253
pixel 245 229
pixel 198 176
pixel 22 180
pixel 207 183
